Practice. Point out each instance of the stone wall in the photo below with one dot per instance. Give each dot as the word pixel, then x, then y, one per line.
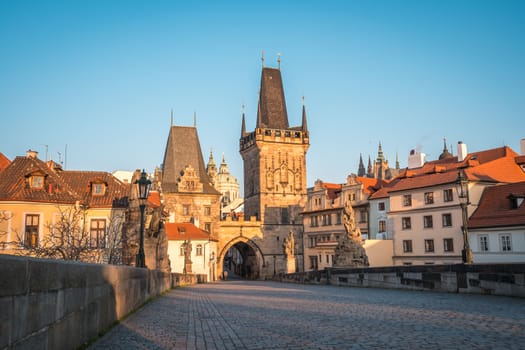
pixel 495 279
pixel 52 304
pixel 181 279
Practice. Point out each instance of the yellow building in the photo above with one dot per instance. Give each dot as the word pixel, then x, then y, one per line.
pixel 49 212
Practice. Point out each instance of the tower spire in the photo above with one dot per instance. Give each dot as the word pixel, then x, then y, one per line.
pixel 262 58
pixel 194 119
pixel 304 125
pixel 243 123
pixel 278 60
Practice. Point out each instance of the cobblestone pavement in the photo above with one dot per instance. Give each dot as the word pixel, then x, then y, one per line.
pixel 269 315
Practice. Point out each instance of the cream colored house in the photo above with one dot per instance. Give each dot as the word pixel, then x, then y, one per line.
pixel 185 240
pixel 49 212
pixel 425 211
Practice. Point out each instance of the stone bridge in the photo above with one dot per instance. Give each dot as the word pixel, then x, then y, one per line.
pixel 48 304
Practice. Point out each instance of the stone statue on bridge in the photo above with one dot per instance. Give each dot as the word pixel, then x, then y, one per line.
pixel 289 253
pixel 187 256
pixel 349 251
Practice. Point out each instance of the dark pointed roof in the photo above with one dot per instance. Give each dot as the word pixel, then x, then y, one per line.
pixel 182 149
pixel 304 125
pixel 272 105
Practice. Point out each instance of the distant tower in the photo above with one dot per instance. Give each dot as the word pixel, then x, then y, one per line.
pixel 211 168
pixel 446 154
pixel 361 171
pixel 370 169
pixel 189 195
pixel 380 165
pixel 274 157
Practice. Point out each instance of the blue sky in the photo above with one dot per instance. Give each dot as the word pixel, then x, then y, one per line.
pixel 102 77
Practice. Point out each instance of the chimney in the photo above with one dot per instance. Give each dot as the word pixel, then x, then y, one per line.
pixel 522 147
pixel 31 154
pixel 416 159
pixel 462 151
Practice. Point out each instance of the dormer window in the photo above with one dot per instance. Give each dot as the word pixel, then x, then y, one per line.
pixel 98 189
pixel 37 181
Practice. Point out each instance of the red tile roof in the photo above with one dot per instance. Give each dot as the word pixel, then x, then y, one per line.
pixel 370 185
pixel 494 165
pixel 496 207
pixel 182 231
pixel 154 199
pixel 4 161
pixel 60 186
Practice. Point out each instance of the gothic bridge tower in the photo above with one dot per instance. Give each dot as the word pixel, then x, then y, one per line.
pixel 274 157
pixel 260 244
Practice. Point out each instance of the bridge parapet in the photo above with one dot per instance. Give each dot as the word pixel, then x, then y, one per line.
pixel 495 279
pixel 57 304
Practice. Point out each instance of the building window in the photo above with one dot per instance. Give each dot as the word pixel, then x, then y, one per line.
pixel 484 243
pixel 429 245
pixel 37 181
pixel 382 226
pixel 407 246
pixel 97 233
pixel 98 189
pixel 198 250
pixel 185 209
pixel 182 250
pixel 427 221
pixel 312 242
pixel 327 258
pixel 447 195
pixel 407 200
pixel 338 218
pixel 448 244
pixel 381 206
pixel 207 226
pixel 429 197
pixel 362 216
pixel 506 243
pixel 446 219
pixel 31 230
pixel 406 223
pixel 207 210
pixel 284 216
pixel 313 262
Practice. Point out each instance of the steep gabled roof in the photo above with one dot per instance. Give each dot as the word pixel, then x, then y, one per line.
pixel 497 207
pixel 182 149
pixel 182 231
pixel 272 105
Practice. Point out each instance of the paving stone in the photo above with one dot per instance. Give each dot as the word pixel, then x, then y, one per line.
pixel 268 315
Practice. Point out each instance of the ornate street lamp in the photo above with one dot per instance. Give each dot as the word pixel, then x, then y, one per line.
pixel 462 190
pixel 143 186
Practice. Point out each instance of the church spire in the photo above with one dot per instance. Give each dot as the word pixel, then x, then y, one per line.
pixel 380 156
pixel 361 171
pixel 370 170
pixel 397 161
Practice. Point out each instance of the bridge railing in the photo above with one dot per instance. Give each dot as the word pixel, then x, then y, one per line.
pixel 494 279
pixel 55 304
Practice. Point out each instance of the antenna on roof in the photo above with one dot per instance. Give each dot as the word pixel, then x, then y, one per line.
pixel 262 58
pixel 278 60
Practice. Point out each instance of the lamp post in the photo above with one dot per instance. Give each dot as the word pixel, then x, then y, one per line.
pixel 463 195
pixel 143 186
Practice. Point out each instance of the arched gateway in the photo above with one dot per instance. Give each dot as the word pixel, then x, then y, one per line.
pixel 241 257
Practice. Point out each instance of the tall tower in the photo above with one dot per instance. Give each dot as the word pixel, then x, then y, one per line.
pixel 274 157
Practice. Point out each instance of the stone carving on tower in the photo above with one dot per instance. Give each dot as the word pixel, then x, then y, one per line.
pixel 349 251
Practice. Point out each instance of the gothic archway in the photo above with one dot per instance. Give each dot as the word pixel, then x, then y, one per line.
pixel 241 258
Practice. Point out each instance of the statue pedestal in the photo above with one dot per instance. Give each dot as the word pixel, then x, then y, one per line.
pixel 187 267
pixel 290 264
